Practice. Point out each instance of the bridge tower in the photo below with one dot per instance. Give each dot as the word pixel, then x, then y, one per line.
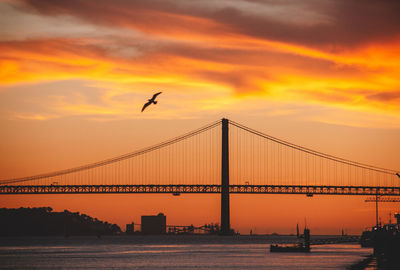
pixel 225 219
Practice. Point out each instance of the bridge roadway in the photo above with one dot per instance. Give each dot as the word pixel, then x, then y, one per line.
pixel 178 189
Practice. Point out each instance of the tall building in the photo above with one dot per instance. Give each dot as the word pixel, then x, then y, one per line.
pixel 130 228
pixel 154 224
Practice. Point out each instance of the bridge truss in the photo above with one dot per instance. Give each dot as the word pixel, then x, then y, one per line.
pixel 204 189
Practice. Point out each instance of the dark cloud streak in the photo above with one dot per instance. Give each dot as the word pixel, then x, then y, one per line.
pixel 385 96
pixel 350 22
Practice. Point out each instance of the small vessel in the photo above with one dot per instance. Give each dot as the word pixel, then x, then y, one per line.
pixel 294 248
pixel 385 240
pixel 370 238
pixel 299 247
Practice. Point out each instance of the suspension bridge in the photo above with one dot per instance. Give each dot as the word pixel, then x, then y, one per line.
pixel 223 157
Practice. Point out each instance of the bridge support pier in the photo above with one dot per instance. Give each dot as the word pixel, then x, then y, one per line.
pixel 225 216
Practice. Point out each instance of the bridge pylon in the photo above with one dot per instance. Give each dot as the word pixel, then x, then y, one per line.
pixel 225 215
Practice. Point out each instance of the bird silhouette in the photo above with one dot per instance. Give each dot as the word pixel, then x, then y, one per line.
pixel 150 101
pixel 398 175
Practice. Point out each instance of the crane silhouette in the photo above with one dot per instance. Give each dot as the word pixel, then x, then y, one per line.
pixel 150 101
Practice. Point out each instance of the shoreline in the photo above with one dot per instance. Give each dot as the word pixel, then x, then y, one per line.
pixel 156 239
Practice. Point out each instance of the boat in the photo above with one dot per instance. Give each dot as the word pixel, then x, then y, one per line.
pixel 385 240
pixel 371 237
pixel 290 248
pixel 298 247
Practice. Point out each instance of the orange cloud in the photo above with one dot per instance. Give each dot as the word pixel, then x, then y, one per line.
pixel 273 72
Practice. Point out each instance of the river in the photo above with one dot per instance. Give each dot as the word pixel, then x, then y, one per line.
pixel 169 252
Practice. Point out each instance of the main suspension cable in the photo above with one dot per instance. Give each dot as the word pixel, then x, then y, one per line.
pixel 114 159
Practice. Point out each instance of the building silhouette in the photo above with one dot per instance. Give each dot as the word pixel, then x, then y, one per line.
pixel 130 228
pixel 154 224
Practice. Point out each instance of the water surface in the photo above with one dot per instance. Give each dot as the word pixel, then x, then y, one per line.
pixel 169 252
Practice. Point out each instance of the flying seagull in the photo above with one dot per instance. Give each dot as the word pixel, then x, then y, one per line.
pixel 152 100
pixel 398 175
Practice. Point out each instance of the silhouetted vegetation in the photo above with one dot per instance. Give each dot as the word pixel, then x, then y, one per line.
pixel 42 221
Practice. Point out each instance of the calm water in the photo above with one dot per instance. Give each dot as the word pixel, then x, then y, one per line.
pixel 168 252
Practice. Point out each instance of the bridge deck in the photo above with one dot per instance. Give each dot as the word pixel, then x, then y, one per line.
pixel 178 189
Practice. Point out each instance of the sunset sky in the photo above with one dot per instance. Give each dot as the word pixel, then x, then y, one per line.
pixel 74 75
